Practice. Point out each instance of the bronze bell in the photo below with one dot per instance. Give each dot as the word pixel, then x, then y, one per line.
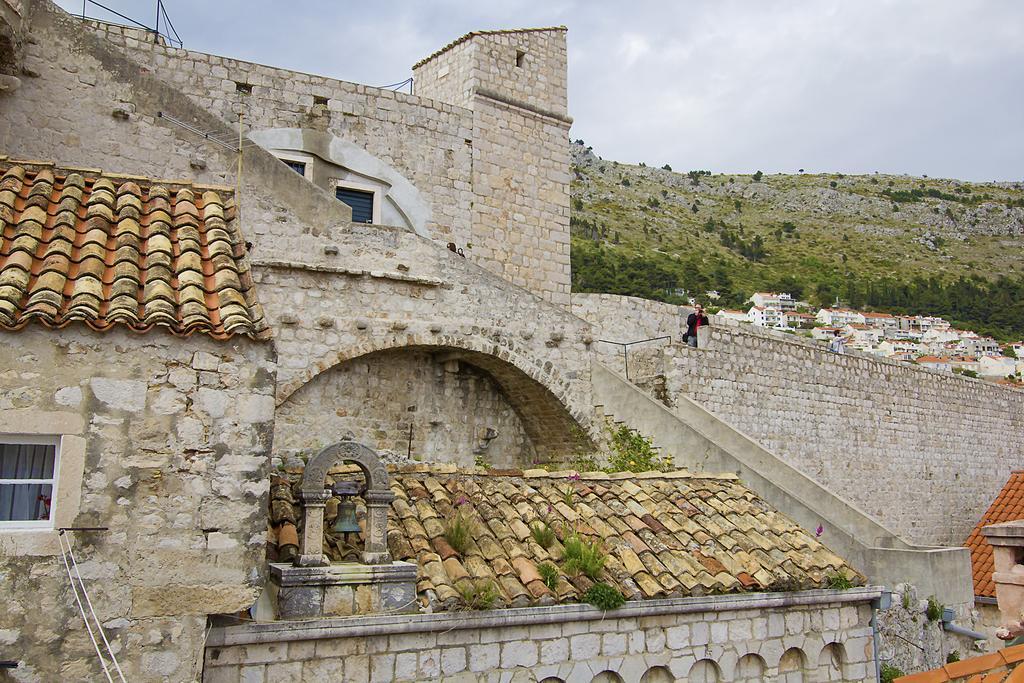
pixel 346 521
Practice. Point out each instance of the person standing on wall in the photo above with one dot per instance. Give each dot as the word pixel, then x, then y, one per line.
pixel 694 322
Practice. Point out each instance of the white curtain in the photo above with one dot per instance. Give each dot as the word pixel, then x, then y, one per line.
pixel 28 501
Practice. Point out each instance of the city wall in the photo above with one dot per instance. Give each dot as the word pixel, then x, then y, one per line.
pixel 923 452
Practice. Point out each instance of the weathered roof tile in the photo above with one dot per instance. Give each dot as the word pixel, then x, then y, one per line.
pixel 730 545
pixel 109 250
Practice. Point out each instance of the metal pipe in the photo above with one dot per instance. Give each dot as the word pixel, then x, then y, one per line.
pixel 948 615
pixel 961 631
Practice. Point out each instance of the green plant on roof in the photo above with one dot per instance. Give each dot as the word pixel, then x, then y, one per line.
pixel 482 462
pixel 543 534
pixel 549 575
pixel 604 597
pixel 934 610
pixel 906 600
pixel 953 656
pixel 632 452
pixel 477 594
pixel 582 557
pixel 890 673
pixel 838 582
pixel 569 495
pixel 458 531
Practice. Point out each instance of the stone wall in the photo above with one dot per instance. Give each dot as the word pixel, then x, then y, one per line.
pixel 875 430
pixel 426 406
pixel 426 141
pixel 169 448
pixel 820 635
pixel 333 290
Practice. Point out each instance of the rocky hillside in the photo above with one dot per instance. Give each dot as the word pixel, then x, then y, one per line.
pixel 665 231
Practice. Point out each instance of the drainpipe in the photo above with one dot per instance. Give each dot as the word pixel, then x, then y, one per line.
pixel 947 625
pixel 884 601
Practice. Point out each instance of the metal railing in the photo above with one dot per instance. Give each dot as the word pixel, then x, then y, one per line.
pixel 625 347
pixel 171 35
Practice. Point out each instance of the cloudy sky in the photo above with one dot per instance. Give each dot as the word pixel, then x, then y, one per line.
pixel 933 87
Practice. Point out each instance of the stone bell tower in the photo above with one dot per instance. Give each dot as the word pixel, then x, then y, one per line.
pixel 515 83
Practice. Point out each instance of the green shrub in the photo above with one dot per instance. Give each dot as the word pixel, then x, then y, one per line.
pixel 604 597
pixel 758 176
pixel 890 673
pixel 906 600
pixel 934 610
pixel 582 557
pixel 953 656
pixel 839 582
pixel 458 531
pixel 477 594
pixel 634 453
pixel 549 575
pixel 543 534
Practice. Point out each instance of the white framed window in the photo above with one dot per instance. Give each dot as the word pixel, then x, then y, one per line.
pixel 300 163
pixel 29 472
pixel 362 198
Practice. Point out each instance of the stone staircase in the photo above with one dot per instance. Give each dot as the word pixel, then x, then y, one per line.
pixel 702 442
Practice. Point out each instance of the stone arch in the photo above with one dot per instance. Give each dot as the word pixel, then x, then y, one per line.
pixel 750 668
pixel 534 387
pixel 658 674
pixel 552 679
pixel 704 671
pixel 831 663
pixel 607 677
pixel 404 198
pixel 792 665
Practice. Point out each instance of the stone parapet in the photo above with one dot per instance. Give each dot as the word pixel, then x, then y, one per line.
pixel 824 634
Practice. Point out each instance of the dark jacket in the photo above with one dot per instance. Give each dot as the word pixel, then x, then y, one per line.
pixel 691 324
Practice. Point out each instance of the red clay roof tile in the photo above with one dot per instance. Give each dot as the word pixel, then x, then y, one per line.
pixel 1007 507
pixel 104 250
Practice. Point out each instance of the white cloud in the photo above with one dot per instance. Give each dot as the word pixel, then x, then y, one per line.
pixel 916 86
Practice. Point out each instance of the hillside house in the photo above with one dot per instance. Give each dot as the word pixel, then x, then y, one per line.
pixel 839 317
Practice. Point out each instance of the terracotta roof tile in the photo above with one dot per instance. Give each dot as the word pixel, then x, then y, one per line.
pixel 107 250
pixel 996 667
pixel 735 544
pixel 1007 507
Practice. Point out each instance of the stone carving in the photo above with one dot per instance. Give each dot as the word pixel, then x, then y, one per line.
pixel 314 495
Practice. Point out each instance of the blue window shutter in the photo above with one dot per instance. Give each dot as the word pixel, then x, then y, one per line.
pixel 360 201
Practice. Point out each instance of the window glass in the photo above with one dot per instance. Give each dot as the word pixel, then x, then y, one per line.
pixel 26 481
pixel 297 166
pixel 361 203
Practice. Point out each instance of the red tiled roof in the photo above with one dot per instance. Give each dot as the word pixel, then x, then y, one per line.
pixel 1000 666
pixel 1007 507
pixel 103 249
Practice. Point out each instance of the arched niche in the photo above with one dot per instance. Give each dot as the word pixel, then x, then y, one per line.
pixel 750 669
pixel 831 661
pixel 704 671
pixel 314 495
pixel 658 674
pixel 792 665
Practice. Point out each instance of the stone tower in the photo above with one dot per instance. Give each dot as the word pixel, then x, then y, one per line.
pixel 515 83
